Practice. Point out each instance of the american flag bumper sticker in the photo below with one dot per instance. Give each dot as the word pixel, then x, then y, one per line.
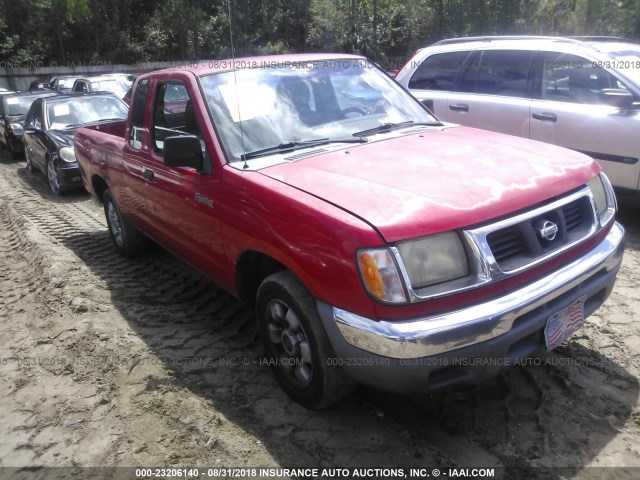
pixel 561 325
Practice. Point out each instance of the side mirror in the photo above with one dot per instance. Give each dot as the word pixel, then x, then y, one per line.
pixel 31 130
pixel 428 104
pixel 616 97
pixel 183 151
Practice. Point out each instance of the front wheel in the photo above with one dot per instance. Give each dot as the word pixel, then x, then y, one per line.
pixel 52 176
pixel 27 157
pixel 296 344
pixel 15 153
pixel 127 240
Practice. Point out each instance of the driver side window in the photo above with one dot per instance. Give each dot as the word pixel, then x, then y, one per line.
pixel 34 118
pixel 173 114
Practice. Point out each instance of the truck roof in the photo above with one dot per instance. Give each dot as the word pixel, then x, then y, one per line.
pixel 202 67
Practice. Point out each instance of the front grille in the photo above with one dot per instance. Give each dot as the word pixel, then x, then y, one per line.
pixel 517 245
pixel 506 243
pixel 308 153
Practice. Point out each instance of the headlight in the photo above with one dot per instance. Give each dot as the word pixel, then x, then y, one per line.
pixel 433 260
pixel 17 129
pixel 380 275
pixel 604 198
pixel 67 154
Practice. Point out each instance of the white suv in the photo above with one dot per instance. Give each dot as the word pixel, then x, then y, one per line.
pixel 580 93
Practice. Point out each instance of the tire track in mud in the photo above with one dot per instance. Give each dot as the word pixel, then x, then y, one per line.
pixel 545 415
pixel 181 315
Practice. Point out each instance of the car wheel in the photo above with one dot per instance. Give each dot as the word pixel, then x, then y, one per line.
pixel 296 344
pixel 128 240
pixel 27 157
pixel 14 153
pixel 52 176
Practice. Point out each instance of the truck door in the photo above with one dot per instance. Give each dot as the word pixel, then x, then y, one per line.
pixel 183 202
pixel 133 187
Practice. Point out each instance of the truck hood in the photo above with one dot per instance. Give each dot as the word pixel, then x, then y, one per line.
pixel 438 180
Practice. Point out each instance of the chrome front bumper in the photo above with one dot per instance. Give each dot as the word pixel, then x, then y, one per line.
pixel 590 275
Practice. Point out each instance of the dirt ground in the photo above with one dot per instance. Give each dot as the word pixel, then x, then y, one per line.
pixel 113 362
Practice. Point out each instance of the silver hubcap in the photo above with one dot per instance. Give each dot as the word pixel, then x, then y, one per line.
pixel 114 224
pixel 290 341
pixel 52 175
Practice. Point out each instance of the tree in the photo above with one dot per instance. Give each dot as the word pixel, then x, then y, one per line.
pixel 61 12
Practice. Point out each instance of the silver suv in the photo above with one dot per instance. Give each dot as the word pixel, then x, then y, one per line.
pixel 580 93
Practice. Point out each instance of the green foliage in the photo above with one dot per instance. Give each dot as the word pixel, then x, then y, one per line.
pixel 127 31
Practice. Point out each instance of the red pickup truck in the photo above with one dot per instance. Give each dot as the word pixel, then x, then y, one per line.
pixel 377 244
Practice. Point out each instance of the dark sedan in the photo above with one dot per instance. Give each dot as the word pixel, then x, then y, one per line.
pixel 49 128
pixel 13 110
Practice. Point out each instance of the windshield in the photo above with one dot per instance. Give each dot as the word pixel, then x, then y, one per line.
pixel 258 108
pixel 15 106
pixel 113 86
pixel 65 83
pixel 78 111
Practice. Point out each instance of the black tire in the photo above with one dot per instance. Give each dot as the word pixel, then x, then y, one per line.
pixel 52 177
pixel 14 153
pixel 286 311
pixel 27 157
pixel 127 240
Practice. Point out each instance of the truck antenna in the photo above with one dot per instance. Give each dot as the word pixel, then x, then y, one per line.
pixel 235 81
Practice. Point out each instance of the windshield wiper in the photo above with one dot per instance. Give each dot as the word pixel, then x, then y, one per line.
pixel 289 145
pixel 70 126
pixel 387 127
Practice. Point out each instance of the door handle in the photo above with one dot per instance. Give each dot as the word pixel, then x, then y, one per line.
pixel 460 107
pixel 546 117
pixel 149 175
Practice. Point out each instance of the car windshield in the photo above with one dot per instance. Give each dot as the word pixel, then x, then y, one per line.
pixel 281 104
pixel 19 105
pixel 110 85
pixel 65 83
pixel 62 114
pixel 627 59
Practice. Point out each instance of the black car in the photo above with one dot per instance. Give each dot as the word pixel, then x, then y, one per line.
pixel 13 110
pixel 49 128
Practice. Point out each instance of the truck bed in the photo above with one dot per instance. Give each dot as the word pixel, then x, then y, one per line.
pixel 116 128
pixel 95 145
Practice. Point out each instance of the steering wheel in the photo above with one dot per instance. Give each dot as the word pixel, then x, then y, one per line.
pixel 360 111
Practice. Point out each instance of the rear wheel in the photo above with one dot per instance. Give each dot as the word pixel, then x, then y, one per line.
pixel 296 344
pixel 128 241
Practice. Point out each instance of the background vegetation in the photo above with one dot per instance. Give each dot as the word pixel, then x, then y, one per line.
pixel 129 31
